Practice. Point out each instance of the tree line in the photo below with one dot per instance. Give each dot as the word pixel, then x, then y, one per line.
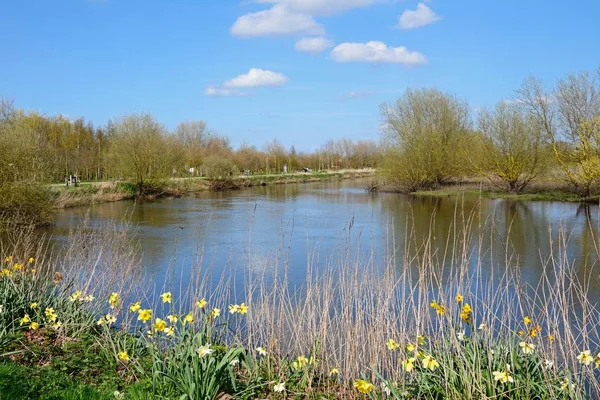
pixel 136 147
pixel 545 132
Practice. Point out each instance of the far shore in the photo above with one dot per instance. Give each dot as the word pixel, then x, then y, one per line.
pixel 88 193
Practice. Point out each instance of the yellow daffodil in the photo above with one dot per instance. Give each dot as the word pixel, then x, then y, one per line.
pixel 31 260
pixel 17 267
pixel 410 347
pixel 123 356
pixel 159 325
pixel 110 319
pixel 135 307
pixel 201 303
pixel 33 305
pixel 302 361
pixel 527 320
pixel 363 386
pixel 503 376
pixel 597 361
pixel 89 298
pixel 567 386
pixel 113 299
pixel 551 337
pixel 334 371
pixel 8 259
pixel 243 309
pixel 144 315
pixel 50 314
pixel 409 364
pixel 166 297
pixel 25 320
pixel 189 318
pixel 100 321
pixel 459 298
pixel 527 348
pixel 392 345
pixel 430 363
pixel 57 325
pixel 172 318
pixel 34 326
pixel 75 296
pixel 421 340
pixel 215 312
pixel 170 331
pixel 233 308
pixel 585 358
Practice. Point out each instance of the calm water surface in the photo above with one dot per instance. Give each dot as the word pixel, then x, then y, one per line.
pixel 268 230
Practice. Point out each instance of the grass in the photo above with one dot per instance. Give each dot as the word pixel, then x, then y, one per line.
pixel 88 193
pixel 448 323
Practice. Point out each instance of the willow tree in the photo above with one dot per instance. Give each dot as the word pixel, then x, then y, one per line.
pixel 424 131
pixel 568 115
pixel 512 150
pixel 137 150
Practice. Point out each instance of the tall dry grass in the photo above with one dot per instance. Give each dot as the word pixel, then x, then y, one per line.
pixel 353 301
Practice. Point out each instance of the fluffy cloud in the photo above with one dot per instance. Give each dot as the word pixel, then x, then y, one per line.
pixel 276 21
pixel 376 52
pixel 313 44
pixel 257 77
pixel 321 7
pixel 216 91
pixel 422 16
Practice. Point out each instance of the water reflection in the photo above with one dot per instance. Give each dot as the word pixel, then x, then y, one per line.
pixel 271 229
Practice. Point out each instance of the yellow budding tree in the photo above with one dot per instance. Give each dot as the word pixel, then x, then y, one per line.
pixel 568 115
pixel 512 149
pixel 424 131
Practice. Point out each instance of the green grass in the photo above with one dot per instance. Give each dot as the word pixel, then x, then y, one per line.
pixel 542 195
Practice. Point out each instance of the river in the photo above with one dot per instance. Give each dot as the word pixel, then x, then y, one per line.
pixel 281 229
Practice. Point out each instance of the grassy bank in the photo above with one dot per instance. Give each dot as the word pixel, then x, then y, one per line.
pixel 102 192
pixel 434 329
pixel 538 191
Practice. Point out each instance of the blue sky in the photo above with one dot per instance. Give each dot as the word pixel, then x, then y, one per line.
pixel 299 70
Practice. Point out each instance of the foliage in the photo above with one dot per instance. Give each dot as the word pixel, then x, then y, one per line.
pixel 513 150
pixel 424 132
pixel 569 116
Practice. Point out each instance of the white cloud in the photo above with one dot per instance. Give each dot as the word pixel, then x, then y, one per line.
pixel 376 52
pixel 356 94
pixel 276 21
pixel 422 16
pixel 257 77
pixel 216 91
pixel 321 7
pixel 313 44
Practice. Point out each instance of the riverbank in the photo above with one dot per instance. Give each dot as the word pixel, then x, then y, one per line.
pixel 89 193
pixel 96 332
pixel 474 187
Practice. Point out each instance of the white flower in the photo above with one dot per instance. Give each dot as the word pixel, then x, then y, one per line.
pixel 548 364
pixel 482 326
pixel 1 308
pixel 204 350
pixel 261 351
pixel 234 362
pixel 385 388
pixel 118 395
pixel 280 387
pixel 461 336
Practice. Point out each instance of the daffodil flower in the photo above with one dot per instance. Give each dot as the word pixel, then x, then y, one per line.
pixel 123 356
pixel 363 386
pixel 204 351
pixel 585 358
pixel 527 348
pixel 166 297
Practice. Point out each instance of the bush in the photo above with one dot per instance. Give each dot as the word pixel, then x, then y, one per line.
pixel 25 203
